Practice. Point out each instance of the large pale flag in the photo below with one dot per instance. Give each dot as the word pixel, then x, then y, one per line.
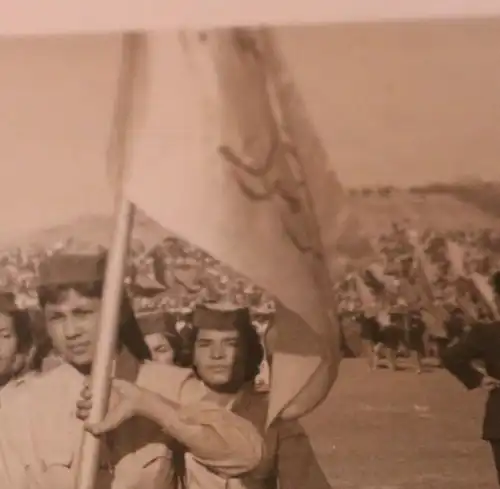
pixel 224 156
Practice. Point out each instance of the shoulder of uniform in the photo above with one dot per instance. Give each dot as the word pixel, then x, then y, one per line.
pixel 45 380
pixel 23 383
pixel 53 373
pixel 15 399
pixel 165 380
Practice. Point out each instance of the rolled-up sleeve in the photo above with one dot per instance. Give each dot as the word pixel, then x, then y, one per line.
pixel 234 444
pixel 144 460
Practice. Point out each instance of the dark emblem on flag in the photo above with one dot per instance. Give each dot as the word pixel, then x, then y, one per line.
pixel 263 163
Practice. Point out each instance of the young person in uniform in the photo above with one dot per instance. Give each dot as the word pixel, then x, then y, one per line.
pixel 226 355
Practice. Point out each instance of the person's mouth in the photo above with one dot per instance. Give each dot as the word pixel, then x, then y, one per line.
pixel 80 347
pixel 219 369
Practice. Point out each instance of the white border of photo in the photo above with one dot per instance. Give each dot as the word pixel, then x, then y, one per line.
pixel 49 17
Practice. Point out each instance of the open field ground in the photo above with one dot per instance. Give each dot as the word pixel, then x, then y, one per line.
pixel 399 430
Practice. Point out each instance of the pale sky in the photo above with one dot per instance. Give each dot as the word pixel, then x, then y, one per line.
pixel 397 104
pixel 403 104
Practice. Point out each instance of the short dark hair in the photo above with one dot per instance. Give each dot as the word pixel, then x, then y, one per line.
pixel 129 334
pixel 254 351
pixel 31 342
pixel 51 294
pixel 22 329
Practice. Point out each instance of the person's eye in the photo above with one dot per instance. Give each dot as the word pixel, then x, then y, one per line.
pixel 55 316
pixel 82 312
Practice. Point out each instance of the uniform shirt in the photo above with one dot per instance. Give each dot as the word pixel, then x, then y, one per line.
pixel 13 385
pixel 287 456
pixel 240 448
pixel 41 436
pixel 289 461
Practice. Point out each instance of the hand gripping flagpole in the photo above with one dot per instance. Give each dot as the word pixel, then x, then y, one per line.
pixel 88 461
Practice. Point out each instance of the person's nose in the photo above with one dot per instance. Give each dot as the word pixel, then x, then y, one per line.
pixel 216 351
pixel 71 328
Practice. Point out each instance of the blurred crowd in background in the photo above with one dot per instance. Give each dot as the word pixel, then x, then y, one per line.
pixel 173 276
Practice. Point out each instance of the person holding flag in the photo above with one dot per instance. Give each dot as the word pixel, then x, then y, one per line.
pixel 41 433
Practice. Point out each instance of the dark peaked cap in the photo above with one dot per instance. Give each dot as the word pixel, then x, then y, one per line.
pixel 220 316
pixel 151 322
pixel 80 264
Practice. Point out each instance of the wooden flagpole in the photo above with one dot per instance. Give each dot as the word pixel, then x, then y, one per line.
pixel 88 462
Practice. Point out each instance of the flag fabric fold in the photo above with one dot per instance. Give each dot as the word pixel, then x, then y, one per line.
pixel 223 156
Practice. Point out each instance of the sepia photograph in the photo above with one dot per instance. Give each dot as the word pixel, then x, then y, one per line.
pixel 250 257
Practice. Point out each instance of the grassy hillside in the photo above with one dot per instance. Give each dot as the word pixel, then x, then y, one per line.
pixel 96 229
pixel 441 207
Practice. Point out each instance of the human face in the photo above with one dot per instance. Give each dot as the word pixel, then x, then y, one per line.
pixel 218 358
pixel 8 346
pixel 160 348
pixel 72 325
